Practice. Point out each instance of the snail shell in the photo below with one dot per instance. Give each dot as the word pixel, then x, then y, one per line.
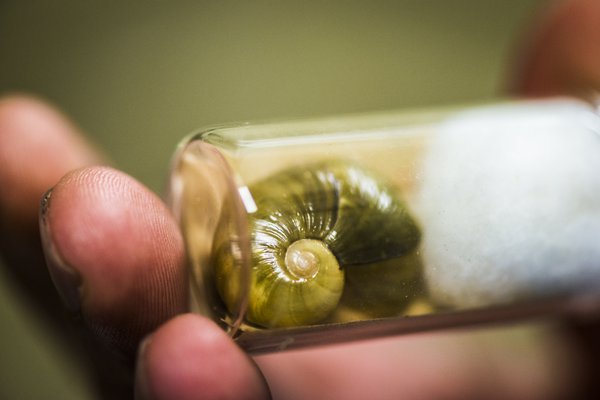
pixel 312 224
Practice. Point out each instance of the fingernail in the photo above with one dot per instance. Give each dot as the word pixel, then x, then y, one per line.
pixel 142 390
pixel 66 279
pixel 45 205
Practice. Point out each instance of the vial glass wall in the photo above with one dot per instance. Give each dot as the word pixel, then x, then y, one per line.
pixel 312 231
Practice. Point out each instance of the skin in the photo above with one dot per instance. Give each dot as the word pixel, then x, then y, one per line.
pixel 131 284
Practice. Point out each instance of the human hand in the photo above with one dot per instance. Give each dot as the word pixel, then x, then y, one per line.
pixel 116 257
pixel 125 279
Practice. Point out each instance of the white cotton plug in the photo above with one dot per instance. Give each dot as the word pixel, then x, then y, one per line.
pixel 509 204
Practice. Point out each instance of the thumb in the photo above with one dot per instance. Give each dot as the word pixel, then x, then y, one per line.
pixel 190 357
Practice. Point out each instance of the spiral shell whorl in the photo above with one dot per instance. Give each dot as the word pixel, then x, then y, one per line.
pixel 310 224
pixel 299 287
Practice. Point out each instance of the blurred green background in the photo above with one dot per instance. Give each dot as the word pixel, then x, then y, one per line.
pixel 138 76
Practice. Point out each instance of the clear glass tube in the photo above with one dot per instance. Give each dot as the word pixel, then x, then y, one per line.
pixel 326 230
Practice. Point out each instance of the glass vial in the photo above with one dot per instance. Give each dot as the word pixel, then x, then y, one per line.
pixel 317 231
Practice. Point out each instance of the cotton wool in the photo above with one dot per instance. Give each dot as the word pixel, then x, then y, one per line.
pixel 509 204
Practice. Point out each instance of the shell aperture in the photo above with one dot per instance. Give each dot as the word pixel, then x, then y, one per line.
pixel 312 224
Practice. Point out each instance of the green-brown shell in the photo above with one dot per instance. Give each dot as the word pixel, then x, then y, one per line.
pixel 352 220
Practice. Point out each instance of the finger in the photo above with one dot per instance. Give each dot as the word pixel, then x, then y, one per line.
pixel 37 146
pixel 115 254
pixel 192 358
pixel 562 55
pixel 563 58
pixel 512 363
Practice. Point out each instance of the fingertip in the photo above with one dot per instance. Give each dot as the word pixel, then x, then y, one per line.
pixel 190 357
pixel 114 253
pixel 562 55
pixel 38 145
